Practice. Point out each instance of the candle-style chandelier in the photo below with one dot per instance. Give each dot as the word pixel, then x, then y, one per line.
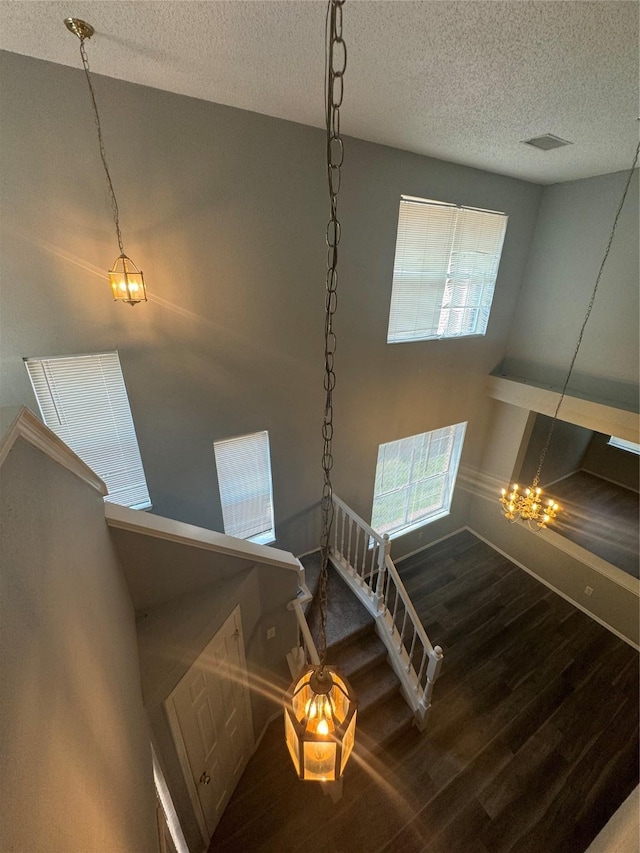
pixel 320 707
pixel 127 281
pixel 530 505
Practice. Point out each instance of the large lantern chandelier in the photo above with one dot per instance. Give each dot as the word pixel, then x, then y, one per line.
pixel 530 505
pixel 320 708
pixel 126 280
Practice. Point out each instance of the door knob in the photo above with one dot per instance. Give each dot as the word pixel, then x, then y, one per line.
pixel 205 778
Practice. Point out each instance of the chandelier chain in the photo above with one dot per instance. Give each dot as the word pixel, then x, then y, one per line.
pixel 543 454
pixel 112 194
pixel 335 64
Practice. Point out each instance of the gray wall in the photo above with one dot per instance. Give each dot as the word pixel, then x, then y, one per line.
pixel 74 741
pixel 225 211
pixel 613 601
pixel 568 446
pixel 571 236
pixel 172 636
pixel 158 570
pixel 612 463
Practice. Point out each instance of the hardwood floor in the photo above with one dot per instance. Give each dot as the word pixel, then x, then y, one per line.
pixel 531 746
pixel 601 517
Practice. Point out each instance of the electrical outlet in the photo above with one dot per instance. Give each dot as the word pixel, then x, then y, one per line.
pixel 588 590
pixel 271 632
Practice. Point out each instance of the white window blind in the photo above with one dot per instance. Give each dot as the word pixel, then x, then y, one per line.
pixel 415 477
pixel 623 444
pixel 244 480
pixel 445 270
pixel 83 399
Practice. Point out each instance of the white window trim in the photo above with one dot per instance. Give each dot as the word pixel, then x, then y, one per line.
pixel 451 472
pixel 425 302
pixel 268 535
pixel 416 525
pixel 265 538
pixel 624 444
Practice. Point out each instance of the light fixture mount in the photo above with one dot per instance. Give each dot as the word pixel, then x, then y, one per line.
pixel 321 682
pixel 79 28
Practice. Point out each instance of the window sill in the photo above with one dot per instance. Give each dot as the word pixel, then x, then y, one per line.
pixel 438 338
pixel 403 531
pixel 267 538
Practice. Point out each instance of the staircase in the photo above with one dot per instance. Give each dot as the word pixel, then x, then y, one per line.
pixel 354 647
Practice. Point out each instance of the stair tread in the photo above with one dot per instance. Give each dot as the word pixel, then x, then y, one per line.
pixel 346 616
pixel 375 686
pixel 354 647
pixel 384 723
pixel 364 653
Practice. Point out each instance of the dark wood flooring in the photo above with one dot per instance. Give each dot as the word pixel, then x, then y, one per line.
pixel 601 517
pixel 531 746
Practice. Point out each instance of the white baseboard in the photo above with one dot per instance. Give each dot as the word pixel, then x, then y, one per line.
pixel 609 480
pixel 307 553
pixel 560 479
pixel 555 589
pixel 273 717
pixel 430 544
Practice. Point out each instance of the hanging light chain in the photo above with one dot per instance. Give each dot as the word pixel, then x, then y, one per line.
pixel 335 64
pixel 543 454
pixel 114 201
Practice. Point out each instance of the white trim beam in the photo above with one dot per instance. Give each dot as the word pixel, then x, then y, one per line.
pixel 30 429
pixel 585 413
pixel 157 527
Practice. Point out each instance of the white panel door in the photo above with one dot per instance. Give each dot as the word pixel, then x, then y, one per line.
pixel 210 717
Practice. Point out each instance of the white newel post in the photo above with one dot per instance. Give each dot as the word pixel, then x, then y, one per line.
pixel 433 670
pixel 383 552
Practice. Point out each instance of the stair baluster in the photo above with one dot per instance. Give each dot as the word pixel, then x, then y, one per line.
pixel 375 587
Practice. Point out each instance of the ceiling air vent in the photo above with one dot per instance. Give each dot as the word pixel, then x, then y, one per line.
pixel 547 142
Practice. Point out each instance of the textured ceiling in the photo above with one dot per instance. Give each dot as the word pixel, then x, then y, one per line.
pixel 463 81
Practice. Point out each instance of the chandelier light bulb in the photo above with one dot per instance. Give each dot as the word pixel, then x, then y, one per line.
pixel 528 506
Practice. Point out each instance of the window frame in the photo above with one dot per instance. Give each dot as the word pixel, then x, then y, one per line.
pixel 61 405
pixel 436 282
pixel 457 433
pixel 267 536
pixel 624 444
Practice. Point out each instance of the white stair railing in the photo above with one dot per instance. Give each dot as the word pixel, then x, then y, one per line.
pixel 362 557
pixel 305 652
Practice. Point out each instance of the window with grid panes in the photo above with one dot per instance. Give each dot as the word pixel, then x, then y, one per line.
pixel 415 478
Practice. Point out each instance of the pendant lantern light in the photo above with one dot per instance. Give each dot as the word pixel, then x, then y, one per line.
pixel 320 724
pixel 320 706
pixel 127 281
